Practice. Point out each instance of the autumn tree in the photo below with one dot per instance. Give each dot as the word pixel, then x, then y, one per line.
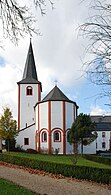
pixel 97 29
pixel 82 131
pixel 8 126
pixel 17 19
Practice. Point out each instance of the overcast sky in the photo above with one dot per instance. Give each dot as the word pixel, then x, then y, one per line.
pixel 59 55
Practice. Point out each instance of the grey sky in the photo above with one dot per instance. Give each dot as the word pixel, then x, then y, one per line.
pixel 58 53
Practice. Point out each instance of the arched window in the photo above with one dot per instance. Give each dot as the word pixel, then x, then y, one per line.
pixel 44 136
pixel 57 136
pixel 29 90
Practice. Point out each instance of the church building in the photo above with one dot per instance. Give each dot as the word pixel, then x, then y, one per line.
pixel 43 124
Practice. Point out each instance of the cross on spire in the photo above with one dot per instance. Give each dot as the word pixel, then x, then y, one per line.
pixel 56 82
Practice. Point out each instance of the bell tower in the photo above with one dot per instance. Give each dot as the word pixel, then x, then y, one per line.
pixel 29 92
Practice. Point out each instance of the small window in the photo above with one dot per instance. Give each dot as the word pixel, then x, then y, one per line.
pixel 57 136
pixel 29 90
pixel 26 141
pixel 44 136
pixel 103 134
pixel 103 145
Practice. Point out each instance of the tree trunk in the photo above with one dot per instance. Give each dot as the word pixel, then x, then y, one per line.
pixel 8 144
pixel 81 146
pixel 75 147
pixel 0 145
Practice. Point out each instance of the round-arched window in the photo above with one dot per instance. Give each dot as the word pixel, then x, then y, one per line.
pixel 57 136
pixel 44 136
pixel 29 90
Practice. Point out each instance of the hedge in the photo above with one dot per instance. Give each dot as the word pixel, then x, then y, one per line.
pixel 79 172
pixel 98 159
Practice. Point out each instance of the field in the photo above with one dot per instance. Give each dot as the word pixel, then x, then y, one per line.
pixel 9 188
pixel 65 159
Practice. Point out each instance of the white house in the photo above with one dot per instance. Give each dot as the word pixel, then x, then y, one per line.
pixel 103 129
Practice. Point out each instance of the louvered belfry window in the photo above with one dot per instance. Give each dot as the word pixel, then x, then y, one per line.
pixel 29 90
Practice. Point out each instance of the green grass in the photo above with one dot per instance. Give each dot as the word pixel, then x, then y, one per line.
pixel 9 188
pixel 65 159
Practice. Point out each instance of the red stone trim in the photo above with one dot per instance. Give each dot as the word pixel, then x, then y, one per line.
pixel 39 92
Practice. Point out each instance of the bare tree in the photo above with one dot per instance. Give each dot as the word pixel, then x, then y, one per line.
pixel 17 20
pixel 98 30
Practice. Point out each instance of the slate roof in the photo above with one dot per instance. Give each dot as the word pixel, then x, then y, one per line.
pixel 30 73
pixel 56 95
pixel 103 123
pixel 101 118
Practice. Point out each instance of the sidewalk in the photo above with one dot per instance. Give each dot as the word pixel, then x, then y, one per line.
pixel 48 185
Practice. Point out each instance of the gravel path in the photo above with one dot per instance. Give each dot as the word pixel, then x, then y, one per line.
pixel 48 185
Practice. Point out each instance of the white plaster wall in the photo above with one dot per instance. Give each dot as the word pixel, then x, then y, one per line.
pixel 90 149
pixel 69 114
pixel 100 139
pixel 43 115
pixel 27 133
pixel 69 147
pixel 27 104
pixel 56 114
pixel 36 117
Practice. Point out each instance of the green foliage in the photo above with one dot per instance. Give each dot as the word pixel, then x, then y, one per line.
pixel 8 126
pixel 74 158
pixel 100 159
pixel 81 130
pixel 9 188
pixel 80 172
pixel 12 143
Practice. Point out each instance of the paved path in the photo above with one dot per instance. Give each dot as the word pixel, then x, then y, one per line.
pixel 45 184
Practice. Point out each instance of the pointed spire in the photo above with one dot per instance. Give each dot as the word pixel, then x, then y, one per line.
pixel 30 73
pixel 30 68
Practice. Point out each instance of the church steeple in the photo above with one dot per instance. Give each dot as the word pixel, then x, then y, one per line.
pixel 29 92
pixel 30 73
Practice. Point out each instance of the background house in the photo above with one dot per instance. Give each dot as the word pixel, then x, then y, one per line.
pixel 103 129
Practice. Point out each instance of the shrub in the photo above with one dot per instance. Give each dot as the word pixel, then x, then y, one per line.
pixel 79 172
pixel 31 151
pixel 99 159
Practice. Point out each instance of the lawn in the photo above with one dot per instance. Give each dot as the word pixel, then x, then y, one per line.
pixel 65 159
pixel 9 188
